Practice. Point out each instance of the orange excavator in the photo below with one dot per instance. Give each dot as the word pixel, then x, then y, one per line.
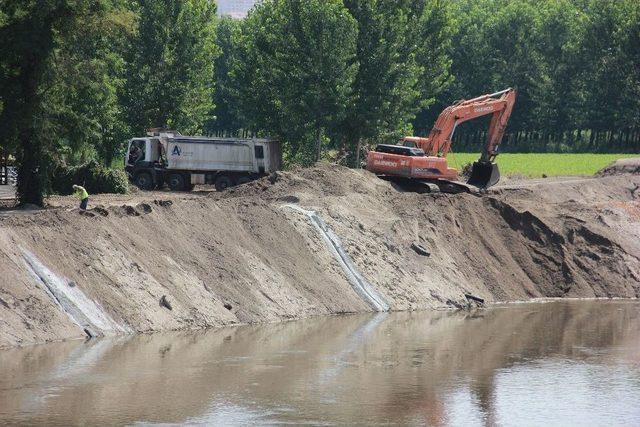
pixel 423 161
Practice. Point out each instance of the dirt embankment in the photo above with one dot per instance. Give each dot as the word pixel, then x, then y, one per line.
pixel 159 261
pixel 621 166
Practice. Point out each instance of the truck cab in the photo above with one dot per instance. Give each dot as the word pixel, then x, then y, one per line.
pixel 146 158
pixel 143 155
pixel 144 150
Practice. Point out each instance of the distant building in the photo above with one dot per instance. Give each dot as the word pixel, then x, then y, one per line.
pixel 235 8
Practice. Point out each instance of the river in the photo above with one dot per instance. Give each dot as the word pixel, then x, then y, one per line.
pixel 553 363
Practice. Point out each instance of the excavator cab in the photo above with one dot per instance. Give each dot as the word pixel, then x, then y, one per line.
pixel 484 174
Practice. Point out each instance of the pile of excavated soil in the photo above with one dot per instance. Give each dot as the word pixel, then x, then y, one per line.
pixel 154 261
pixel 622 166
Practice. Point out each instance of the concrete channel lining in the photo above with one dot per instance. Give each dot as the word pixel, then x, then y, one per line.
pixel 359 284
pixel 81 309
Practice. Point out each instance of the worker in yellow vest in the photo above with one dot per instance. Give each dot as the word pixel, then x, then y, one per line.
pixel 81 194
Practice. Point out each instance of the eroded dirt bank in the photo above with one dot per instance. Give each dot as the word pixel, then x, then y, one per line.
pixel 159 261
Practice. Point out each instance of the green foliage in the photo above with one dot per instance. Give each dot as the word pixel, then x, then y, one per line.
pixel 387 94
pixel 437 27
pixel 298 69
pixel 227 114
pixel 574 63
pixel 92 176
pixel 169 76
pixel 37 37
pixel 85 78
pixel 610 86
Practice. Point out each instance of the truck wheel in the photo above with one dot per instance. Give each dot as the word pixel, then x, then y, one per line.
pixel 144 181
pixel 223 182
pixel 176 182
pixel 159 183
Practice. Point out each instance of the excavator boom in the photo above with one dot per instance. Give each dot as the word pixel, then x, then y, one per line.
pixel 425 158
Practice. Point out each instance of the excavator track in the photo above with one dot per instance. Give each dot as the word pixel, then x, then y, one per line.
pixel 424 186
pixel 455 187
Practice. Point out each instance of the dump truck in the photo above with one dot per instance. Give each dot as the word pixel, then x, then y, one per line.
pixel 181 162
pixel 417 160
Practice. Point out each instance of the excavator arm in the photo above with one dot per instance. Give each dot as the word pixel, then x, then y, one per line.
pixel 498 125
pixel 499 105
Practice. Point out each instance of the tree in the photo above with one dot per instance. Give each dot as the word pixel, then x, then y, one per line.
pixel 556 101
pixel 30 33
pixel 435 28
pixel 298 70
pixel 609 79
pixel 385 84
pixel 498 45
pixel 400 70
pixel 498 48
pixel 82 98
pixel 169 77
pixel 227 116
pixel 574 63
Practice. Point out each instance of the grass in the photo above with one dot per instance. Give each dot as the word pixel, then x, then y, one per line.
pixel 537 164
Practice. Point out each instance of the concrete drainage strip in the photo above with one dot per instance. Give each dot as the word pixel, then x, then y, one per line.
pixel 82 310
pixel 358 283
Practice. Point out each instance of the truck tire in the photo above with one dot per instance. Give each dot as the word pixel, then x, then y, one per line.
pixel 176 182
pixel 159 182
pixel 223 182
pixel 144 181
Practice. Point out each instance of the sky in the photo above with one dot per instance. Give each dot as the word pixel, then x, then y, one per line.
pixel 235 8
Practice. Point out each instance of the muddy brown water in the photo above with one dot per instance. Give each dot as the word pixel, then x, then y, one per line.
pixel 553 363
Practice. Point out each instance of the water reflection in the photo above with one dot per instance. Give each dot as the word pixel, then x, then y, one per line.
pixel 556 363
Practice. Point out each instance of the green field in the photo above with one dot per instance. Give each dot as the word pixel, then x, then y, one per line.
pixel 537 164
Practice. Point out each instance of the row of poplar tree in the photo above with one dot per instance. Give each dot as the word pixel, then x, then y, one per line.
pixel 325 77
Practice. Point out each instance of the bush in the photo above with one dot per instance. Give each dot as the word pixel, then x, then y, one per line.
pixel 92 176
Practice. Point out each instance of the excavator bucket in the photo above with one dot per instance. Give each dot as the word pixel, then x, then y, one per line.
pixel 484 174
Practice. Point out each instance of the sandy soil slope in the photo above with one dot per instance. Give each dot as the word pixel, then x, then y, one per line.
pixel 165 261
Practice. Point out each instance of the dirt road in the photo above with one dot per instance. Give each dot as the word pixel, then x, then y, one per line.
pixel 164 261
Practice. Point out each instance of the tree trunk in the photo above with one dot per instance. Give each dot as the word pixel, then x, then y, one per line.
pixel 358 148
pixel 592 138
pixel 611 139
pixel 626 137
pixel 31 176
pixel 22 108
pixel 108 156
pixel 318 143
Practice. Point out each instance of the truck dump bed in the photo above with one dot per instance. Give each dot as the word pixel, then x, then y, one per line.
pixel 222 154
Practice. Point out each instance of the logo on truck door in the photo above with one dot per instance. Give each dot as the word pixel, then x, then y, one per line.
pixel 176 151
